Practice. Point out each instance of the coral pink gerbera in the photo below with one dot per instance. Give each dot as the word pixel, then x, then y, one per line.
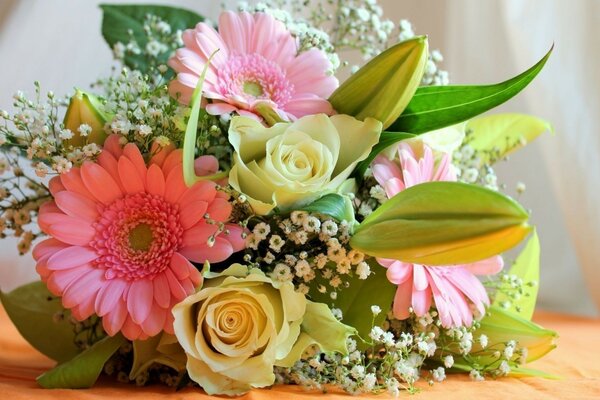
pixel 257 62
pixel 453 289
pixel 122 234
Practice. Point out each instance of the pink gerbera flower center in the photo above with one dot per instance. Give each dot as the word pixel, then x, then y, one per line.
pixel 136 236
pixel 252 77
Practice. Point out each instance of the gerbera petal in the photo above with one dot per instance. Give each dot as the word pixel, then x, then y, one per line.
pixel 72 182
pixel 206 165
pixel 132 152
pixel 70 257
pixel 140 299
pixel 219 209
pixel 175 187
pixel 489 266
pixel 114 320
pixel 99 183
pixel 72 231
pixel 235 237
pixel 47 247
pixel 180 266
pixel 155 181
pixel 112 146
pixel 58 281
pixel 220 251
pixel 55 185
pixel 402 300
pixel 155 322
pixel 76 205
pixel 174 159
pixel 162 293
pixel 192 213
pixel 131 330
pixel 198 235
pixel 83 287
pixel 130 178
pixel 109 296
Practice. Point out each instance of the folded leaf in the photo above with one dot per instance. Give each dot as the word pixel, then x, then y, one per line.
pixel 319 327
pixel 161 349
pixel 384 86
pixel 526 267
pixel 335 205
pixel 502 134
pixel 83 370
pixel 33 310
pixel 434 107
pixel 121 22
pixel 85 108
pixel 442 223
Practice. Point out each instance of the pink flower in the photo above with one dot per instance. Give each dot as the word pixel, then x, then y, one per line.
pixel 122 234
pixel 453 289
pixel 257 62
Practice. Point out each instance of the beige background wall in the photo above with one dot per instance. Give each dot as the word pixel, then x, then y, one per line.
pixel 58 42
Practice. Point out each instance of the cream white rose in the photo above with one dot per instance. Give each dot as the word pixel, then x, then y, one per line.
pixel 241 324
pixel 291 164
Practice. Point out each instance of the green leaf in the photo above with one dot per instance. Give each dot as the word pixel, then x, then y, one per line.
pixel 83 370
pixel 334 205
pixel 501 327
pixel 501 134
pixel 32 308
pixel 442 223
pixel 356 300
pixel 384 86
pixel 191 130
pixel 319 327
pixel 526 267
pixel 520 372
pixel 386 140
pixel 434 107
pixel 160 349
pixel 119 20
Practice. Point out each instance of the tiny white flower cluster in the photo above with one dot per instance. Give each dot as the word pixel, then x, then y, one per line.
pixel 470 169
pixel 299 247
pixel 155 47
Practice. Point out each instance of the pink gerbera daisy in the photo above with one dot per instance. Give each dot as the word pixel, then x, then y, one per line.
pixel 451 288
pixel 122 234
pixel 257 62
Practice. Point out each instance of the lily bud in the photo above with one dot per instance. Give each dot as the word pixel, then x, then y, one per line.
pixel 442 223
pixel 85 108
pixel 384 86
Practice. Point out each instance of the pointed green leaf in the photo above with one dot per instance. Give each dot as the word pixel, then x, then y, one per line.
pixel 356 300
pixel 334 205
pixel 32 308
pixel 385 140
pixel 191 130
pixel 502 134
pixel 384 86
pixel 119 20
pixel 84 369
pixel 526 267
pixel 501 326
pixel 442 223
pixel 434 107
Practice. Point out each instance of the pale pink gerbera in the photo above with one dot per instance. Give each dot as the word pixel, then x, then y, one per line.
pixel 122 234
pixel 453 288
pixel 257 62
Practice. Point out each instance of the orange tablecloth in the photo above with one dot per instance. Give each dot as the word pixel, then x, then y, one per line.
pixel 577 361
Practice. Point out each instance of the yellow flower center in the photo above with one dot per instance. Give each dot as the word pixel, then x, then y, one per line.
pixel 141 237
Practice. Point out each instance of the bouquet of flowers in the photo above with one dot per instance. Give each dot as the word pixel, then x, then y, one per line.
pixel 222 212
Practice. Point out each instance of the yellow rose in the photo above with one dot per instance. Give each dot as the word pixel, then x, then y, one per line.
pixel 241 324
pixel 291 164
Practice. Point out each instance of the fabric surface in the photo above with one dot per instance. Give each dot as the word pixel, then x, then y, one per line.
pixel 576 361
